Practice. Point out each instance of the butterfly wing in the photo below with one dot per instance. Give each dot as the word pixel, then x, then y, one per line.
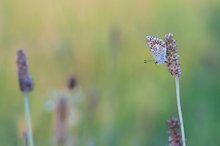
pixel 157 48
pixel 159 54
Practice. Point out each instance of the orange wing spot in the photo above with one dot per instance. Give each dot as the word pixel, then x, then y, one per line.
pixel 149 40
pixel 154 43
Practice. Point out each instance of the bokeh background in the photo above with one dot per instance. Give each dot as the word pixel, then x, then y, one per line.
pixel 124 101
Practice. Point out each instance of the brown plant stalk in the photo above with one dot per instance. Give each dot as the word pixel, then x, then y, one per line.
pixel 173 66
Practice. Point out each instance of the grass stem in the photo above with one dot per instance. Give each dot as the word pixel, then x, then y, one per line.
pixel 28 119
pixel 180 110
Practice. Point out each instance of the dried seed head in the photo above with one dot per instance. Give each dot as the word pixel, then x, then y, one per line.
pixel 61 109
pixel 175 138
pixel 72 82
pixel 60 121
pixel 24 77
pixel 172 56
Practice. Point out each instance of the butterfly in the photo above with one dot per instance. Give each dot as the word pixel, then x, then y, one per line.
pixel 158 49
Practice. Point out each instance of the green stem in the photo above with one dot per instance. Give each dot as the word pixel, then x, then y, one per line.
pixel 180 110
pixel 28 119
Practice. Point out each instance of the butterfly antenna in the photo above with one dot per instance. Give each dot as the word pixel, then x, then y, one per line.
pixel 146 61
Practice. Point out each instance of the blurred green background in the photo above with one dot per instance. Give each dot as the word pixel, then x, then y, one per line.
pixel 103 43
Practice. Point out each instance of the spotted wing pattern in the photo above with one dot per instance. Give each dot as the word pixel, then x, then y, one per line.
pixel 158 49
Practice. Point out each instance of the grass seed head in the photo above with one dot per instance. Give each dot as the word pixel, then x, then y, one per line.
pixel 60 121
pixel 72 82
pixel 175 138
pixel 172 56
pixel 24 77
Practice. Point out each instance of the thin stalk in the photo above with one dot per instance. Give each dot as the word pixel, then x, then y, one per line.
pixel 25 138
pixel 180 110
pixel 28 119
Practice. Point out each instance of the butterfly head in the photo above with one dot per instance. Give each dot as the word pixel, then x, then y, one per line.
pixel 160 62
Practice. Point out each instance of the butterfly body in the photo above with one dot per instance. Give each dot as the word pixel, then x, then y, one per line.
pixel 157 48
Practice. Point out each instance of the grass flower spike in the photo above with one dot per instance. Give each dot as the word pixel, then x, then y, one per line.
pixel 172 56
pixel 26 85
pixel 72 82
pixel 24 77
pixel 175 138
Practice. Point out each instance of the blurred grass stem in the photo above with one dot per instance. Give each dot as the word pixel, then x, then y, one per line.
pixel 180 110
pixel 28 119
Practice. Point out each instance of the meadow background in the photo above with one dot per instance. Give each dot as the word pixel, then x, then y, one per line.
pixel 103 44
